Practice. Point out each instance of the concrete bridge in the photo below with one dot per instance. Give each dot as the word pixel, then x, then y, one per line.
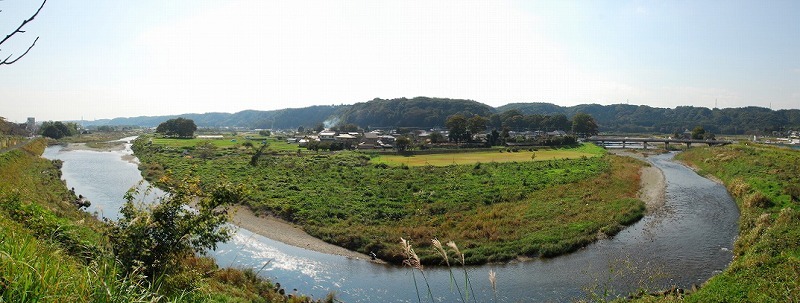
pixel 645 141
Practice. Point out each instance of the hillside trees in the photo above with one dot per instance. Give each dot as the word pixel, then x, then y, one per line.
pixel 10 128
pixel 178 127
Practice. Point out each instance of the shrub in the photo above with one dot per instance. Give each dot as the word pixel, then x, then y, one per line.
pixel 738 188
pixel 152 236
pixel 757 199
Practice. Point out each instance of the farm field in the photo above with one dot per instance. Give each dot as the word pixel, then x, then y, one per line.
pixel 495 211
pixel 499 155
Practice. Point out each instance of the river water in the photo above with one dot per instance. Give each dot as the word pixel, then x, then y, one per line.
pixel 685 242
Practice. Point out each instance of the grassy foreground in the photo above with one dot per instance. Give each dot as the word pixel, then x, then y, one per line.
pixel 52 252
pixel 765 182
pixel 495 211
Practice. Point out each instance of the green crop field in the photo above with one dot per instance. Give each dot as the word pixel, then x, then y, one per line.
pixel 499 155
pixel 495 210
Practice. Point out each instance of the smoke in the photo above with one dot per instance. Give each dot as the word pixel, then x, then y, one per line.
pixel 331 122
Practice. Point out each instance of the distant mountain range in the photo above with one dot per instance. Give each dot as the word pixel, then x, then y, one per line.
pixel 424 112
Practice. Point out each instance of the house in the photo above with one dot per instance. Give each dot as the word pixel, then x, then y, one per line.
pixel 386 141
pixel 346 138
pixel 327 135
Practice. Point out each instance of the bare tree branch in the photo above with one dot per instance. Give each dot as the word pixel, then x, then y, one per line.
pixel 8 59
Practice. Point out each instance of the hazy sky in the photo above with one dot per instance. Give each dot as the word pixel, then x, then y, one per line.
pixel 105 59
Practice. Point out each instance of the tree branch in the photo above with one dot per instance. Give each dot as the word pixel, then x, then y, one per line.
pixel 19 30
pixel 6 62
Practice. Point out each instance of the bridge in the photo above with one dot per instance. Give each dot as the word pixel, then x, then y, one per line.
pixel 625 140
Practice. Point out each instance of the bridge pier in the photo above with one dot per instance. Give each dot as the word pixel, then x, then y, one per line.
pixel 644 145
pixel 623 144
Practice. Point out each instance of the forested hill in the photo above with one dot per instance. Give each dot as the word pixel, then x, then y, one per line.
pixel 416 112
pixel 278 119
pixel 646 119
pixel 433 112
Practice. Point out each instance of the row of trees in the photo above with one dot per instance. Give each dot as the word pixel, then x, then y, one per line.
pixel 462 129
pixel 646 119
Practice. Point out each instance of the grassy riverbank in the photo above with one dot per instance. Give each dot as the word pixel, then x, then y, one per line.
pixel 765 182
pixel 52 252
pixel 494 211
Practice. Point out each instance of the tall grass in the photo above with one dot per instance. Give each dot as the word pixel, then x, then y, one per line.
pixel 412 260
pixel 36 271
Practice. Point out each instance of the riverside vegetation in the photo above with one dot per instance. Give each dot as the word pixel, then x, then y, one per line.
pixel 765 182
pixel 496 211
pixel 52 252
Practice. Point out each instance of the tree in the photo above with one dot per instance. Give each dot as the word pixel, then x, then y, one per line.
pixel 437 137
pixel 13 129
pixel 152 237
pixel 8 60
pixel 58 129
pixel 457 126
pixel 557 122
pixel 584 125
pixel 178 127
pixel 698 132
pixel 402 144
pixel 494 138
pixel 477 124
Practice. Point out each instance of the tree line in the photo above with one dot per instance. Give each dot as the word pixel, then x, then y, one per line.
pixel 423 112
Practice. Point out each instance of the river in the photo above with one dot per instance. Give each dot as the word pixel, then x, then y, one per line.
pixel 685 242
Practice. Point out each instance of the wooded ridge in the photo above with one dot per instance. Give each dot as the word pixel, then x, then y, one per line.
pixel 425 112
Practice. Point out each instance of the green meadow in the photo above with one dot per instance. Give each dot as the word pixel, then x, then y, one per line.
pixel 496 210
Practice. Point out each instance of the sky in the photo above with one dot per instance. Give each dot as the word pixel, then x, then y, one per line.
pixel 105 59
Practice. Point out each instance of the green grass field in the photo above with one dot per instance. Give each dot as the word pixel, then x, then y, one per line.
pixel 496 210
pixel 500 155
pixel 227 142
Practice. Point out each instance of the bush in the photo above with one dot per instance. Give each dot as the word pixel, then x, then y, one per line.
pixel 757 199
pixel 149 237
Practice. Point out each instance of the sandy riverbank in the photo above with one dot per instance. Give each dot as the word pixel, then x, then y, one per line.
pixel 280 230
pixel 653 185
